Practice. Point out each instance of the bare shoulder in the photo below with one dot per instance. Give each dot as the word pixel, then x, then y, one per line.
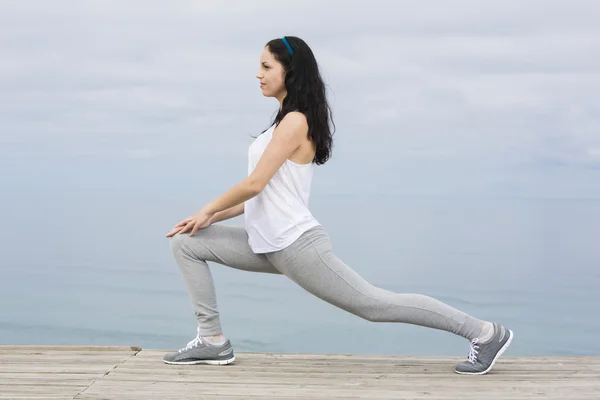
pixel 293 124
pixel 296 117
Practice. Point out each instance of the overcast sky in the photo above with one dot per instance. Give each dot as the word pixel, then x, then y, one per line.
pixel 503 93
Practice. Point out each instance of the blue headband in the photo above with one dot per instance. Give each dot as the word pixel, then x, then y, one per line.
pixel 288 46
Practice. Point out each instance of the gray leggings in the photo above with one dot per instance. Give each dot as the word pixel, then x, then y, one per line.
pixel 311 263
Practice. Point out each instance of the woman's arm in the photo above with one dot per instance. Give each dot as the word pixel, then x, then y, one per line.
pixel 228 214
pixel 287 137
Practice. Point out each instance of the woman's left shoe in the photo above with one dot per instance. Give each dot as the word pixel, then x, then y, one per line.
pixel 482 356
pixel 199 352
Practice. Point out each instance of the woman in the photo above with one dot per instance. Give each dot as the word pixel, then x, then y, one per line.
pixel 281 236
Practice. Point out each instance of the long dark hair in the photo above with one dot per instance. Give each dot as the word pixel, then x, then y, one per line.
pixel 305 93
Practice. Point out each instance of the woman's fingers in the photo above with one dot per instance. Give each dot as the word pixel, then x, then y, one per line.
pixel 182 223
pixel 173 232
pixel 178 228
pixel 195 228
pixel 186 225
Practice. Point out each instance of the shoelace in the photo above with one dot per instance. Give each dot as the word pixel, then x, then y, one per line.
pixel 193 343
pixel 473 351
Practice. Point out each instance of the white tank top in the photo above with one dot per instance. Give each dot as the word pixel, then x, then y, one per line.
pixel 279 214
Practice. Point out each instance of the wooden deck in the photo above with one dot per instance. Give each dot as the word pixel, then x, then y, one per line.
pixel 122 373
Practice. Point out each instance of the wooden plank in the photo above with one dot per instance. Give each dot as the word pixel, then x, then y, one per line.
pixel 42 375
pixel 45 396
pixel 70 349
pixel 318 359
pixel 162 389
pixel 59 390
pixel 329 379
pixel 58 369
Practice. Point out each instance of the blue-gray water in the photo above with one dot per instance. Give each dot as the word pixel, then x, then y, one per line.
pixel 85 261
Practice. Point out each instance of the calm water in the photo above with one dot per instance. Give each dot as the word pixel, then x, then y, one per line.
pixel 85 261
pixel 83 266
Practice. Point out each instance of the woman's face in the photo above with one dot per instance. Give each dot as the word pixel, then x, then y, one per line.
pixel 271 75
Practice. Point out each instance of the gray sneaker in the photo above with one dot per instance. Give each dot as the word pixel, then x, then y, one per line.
pixel 199 352
pixel 482 356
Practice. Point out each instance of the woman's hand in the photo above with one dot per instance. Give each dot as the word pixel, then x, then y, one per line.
pixel 197 221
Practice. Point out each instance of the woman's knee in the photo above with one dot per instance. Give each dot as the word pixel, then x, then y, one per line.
pixel 371 308
pixel 369 313
pixel 190 246
pixel 177 242
pixel 363 310
pixel 196 247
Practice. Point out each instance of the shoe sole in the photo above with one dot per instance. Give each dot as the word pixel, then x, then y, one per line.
pixel 195 362
pixel 500 352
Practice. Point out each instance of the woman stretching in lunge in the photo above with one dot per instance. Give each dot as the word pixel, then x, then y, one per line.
pixel 281 236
